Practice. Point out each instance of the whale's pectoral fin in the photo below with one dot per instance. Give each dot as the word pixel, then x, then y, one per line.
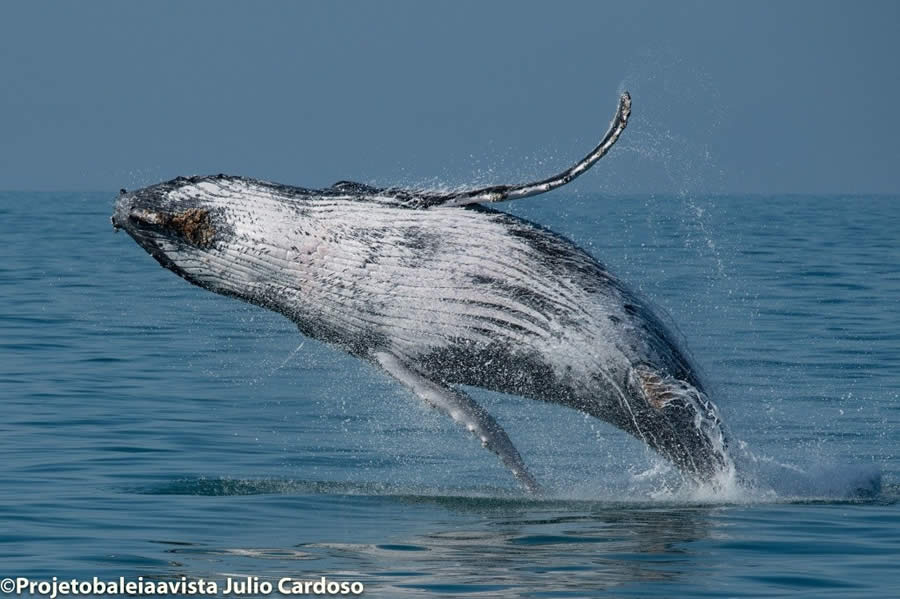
pixel 464 410
pixel 659 390
pixel 501 193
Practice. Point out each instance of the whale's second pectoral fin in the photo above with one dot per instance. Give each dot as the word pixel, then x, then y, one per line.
pixel 464 410
pixel 689 430
pixel 501 193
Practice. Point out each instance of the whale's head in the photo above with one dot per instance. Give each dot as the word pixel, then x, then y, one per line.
pixel 215 231
pixel 174 226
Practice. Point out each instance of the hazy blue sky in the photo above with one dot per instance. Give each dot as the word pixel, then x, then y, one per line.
pixel 751 96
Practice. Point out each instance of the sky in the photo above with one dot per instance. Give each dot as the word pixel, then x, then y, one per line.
pixel 748 97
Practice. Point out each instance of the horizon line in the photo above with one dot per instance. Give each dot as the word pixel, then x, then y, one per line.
pixel 601 193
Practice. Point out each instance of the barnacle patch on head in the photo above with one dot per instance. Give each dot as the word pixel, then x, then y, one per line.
pixel 194 225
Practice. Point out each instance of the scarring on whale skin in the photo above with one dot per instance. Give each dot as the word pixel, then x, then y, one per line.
pixel 440 291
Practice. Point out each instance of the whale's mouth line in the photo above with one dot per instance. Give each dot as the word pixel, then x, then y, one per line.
pixel 193 226
pixel 144 236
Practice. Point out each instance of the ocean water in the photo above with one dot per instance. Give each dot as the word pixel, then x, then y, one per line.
pixel 152 429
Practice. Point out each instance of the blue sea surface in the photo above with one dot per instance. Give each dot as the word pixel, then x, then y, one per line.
pixel 151 428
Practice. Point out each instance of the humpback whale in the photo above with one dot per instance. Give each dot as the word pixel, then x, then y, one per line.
pixel 439 291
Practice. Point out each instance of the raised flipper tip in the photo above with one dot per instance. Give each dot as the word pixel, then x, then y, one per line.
pixel 625 106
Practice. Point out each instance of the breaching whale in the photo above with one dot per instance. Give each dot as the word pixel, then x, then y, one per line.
pixel 440 291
